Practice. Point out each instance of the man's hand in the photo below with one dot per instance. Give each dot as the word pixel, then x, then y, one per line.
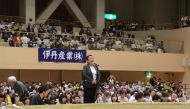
pixel 94 82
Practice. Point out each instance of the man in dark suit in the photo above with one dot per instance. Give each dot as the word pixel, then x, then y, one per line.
pixel 91 77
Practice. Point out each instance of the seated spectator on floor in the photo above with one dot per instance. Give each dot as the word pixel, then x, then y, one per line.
pixel 26 101
pixel 114 98
pixel 165 96
pixel 147 96
pixel 38 99
pixel 111 79
pixel 16 100
pixel 181 96
pixel 174 98
pixel 62 99
pixel 76 99
pixel 139 97
pixel 156 98
pixel 152 93
pixel 2 100
pixel 105 98
pixel 122 97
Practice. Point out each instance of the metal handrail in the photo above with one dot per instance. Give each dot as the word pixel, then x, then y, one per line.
pixel 78 23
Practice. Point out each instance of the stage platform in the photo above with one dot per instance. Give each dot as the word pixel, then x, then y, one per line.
pixel 115 106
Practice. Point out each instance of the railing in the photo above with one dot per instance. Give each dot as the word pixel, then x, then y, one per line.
pixel 12 18
pixel 55 22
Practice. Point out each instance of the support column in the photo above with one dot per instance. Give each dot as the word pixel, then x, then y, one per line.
pixel 100 11
pixel 30 11
pixel 48 11
pixel 73 8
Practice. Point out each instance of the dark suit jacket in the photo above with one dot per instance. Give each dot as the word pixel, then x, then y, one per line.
pixel 21 89
pixel 36 100
pixel 87 76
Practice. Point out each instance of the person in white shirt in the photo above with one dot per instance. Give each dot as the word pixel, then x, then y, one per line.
pixel 132 98
pixel 149 46
pixel 74 43
pixel 24 40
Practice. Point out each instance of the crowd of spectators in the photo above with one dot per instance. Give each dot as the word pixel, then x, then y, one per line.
pixel 128 26
pixel 110 91
pixel 46 36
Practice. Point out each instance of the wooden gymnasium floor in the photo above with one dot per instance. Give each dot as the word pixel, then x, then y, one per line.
pixel 116 106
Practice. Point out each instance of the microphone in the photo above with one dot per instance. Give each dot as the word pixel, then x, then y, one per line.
pixel 95 64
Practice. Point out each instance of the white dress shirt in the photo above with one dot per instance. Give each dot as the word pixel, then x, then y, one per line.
pixel 94 72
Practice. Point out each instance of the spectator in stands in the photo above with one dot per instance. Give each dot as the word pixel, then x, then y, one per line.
pixel 88 32
pixel 35 29
pixel 184 21
pixel 74 43
pixel 42 45
pixel 161 47
pixel 120 33
pixel 18 87
pixel 81 31
pixel 24 40
pixel 149 46
pixel 30 27
pixel 17 40
pixel 152 28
